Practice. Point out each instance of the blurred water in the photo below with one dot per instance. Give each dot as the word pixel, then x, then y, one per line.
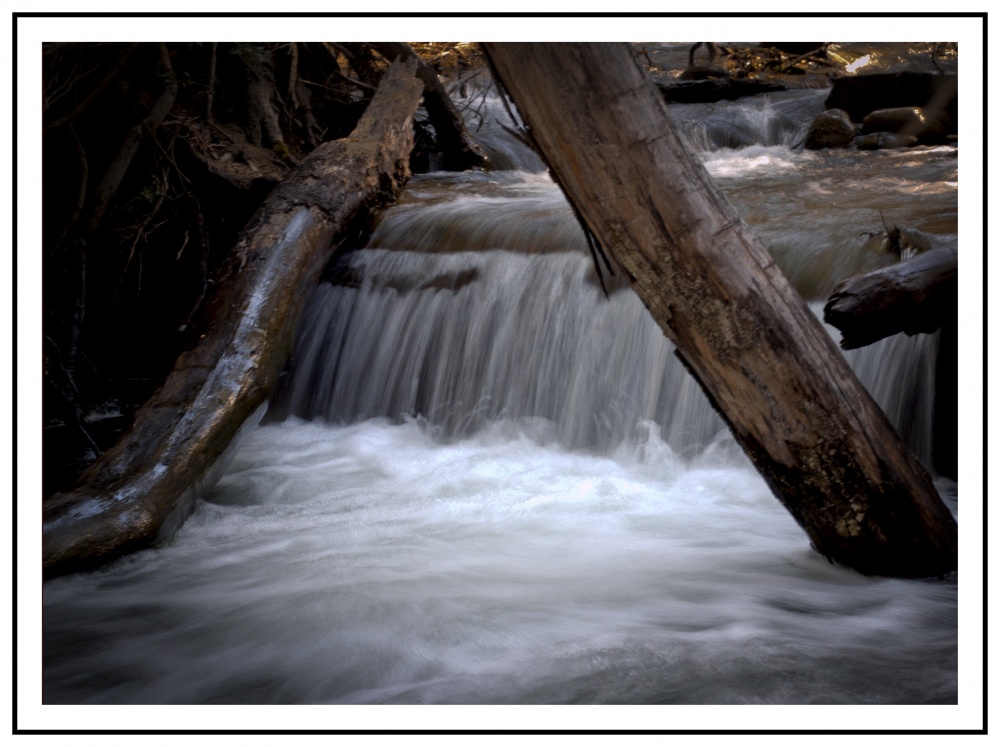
pixel 483 481
pixel 371 563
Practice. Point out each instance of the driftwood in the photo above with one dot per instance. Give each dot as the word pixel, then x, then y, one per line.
pixel 459 150
pixel 916 295
pixel 792 402
pixel 141 489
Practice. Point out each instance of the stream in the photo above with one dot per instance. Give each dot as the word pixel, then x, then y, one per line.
pixel 483 481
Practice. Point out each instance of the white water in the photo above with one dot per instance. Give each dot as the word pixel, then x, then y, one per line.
pixel 512 492
pixel 371 564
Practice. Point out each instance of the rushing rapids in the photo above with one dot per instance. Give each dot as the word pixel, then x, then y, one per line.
pixel 482 480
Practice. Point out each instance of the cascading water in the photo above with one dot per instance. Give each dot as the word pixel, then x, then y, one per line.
pixel 481 480
pixel 781 118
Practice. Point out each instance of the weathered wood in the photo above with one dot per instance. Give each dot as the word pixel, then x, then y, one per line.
pixel 459 150
pixel 762 357
pixel 917 295
pixel 141 488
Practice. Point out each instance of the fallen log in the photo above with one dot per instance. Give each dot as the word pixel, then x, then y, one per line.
pixel 913 296
pixel 764 360
pixel 459 150
pixel 141 489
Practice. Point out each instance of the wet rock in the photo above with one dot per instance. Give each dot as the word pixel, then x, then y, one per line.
pixel 831 129
pixel 702 72
pixel 885 141
pixel 860 95
pixel 927 127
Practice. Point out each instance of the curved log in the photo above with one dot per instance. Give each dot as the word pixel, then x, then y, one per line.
pixel 143 487
pixel 766 362
pixel 916 295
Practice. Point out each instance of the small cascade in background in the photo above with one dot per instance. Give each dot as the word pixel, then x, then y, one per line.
pixel 478 302
pixel 770 119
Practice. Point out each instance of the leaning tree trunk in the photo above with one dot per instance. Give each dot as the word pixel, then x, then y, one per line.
pixel 141 488
pixel 763 358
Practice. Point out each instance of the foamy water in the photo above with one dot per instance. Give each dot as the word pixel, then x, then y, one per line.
pixel 485 482
pixel 371 563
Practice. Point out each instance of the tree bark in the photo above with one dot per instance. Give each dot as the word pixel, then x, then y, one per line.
pixel 460 151
pixel 791 401
pixel 916 295
pixel 142 488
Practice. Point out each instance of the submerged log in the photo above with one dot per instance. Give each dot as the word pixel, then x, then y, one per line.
pixel 913 296
pixel 142 488
pixel 766 362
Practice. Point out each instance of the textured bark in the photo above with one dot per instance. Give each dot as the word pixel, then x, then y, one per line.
pixel 916 295
pixel 460 151
pixel 765 361
pixel 142 488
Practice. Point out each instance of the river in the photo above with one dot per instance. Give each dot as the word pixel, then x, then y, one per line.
pixel 481 480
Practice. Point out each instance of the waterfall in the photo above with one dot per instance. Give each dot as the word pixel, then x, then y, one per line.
pixel 484 306
pixel 781 118
pixel 481 480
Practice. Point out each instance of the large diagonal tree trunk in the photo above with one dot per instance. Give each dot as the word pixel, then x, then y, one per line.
pixel 763 358
pixel 140 489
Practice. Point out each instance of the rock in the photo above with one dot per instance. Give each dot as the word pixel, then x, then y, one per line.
pixel 709 91
pixel 927 127
pixel 702 72
pixel 859 95
pixel 885 141
pixel 831 129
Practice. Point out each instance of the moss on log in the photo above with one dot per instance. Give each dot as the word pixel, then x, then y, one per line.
pixel 141 489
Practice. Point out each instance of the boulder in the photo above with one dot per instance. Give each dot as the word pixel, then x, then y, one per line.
pixel 831 129
pixel 859 95
pixel 702 72
pixel 927 127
